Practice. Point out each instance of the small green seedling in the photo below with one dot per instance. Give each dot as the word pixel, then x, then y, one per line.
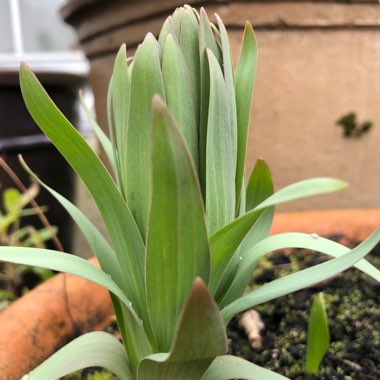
pixel 318 335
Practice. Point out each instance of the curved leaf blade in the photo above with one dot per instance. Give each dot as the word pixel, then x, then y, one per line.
pixel 93 349
pixel 302 279
pixel 225 241
pixel 121 227
pixel 64 262
pixel 177 242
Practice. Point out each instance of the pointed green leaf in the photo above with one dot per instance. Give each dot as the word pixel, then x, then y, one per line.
pixel 283 241
pixel 177 243
pixel 220 168
pixel 225 242
pixel 164 32
pixel 146 81
pixel 121 227
pixel 133 333
pixel 95 349
pixel 206 41
pixel 230 91
pixel 232 285
pixel 302 279
pixel 303 189
pixel 200 337
pixel 228 367
pixel 318 334
pixel 260 185
pixel 244 80
pixel 179 91
pixel 120 109
pixel 188 38
pixel 64 262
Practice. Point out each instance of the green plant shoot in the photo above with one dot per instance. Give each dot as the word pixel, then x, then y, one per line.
pixel 318 334
pixel 184 231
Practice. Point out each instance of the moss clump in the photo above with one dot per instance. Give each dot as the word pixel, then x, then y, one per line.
pixel 354 319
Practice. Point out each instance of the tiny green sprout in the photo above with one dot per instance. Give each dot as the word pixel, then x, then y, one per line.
pixel 318 334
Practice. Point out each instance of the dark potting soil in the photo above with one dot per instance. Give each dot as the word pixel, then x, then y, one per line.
pixel 352 301
pixel 353 309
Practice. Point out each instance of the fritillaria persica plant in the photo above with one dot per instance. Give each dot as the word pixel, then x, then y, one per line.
pixel 185 232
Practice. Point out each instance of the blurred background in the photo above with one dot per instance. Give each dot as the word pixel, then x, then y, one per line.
pixel 315 108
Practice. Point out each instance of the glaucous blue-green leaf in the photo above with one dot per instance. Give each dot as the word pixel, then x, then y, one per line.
pixel 146 81
pixel 245 74
pixel 137 343
pixel 224 242
pixel 230 91
pixel 260 187
pixel 220 152
pixel 288 240
pixel 177 243
pixel 200 337
pixel 228 367
pixel 232 285
pixel 318 334
pixel 179 92
pixel 120 110
pixel 188 38
pixel 95 349
pixel 117 218
pixel 206 41
pixel 102 137
pixel 64 262
pixel 302 279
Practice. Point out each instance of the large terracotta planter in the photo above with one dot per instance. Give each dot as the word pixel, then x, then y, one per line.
pixel 36 325
pixel 317 62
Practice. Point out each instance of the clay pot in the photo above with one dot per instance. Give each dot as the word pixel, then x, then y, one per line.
pixel 316 64
pixel 46 318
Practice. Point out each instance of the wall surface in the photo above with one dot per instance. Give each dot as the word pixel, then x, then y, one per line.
pixel 317 62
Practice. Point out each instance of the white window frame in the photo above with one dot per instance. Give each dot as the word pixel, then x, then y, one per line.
pixel 73 62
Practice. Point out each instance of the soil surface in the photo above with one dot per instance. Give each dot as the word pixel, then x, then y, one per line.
pixel 353 309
